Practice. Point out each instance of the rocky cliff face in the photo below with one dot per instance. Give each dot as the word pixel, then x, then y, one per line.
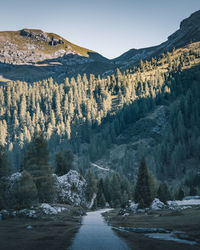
pixel 71 188
pixel 189 32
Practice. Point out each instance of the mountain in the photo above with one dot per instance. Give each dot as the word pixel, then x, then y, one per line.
pixel 29 46
pixel 31 54
pixel 107 123
pixel 112 121
pixel 188 32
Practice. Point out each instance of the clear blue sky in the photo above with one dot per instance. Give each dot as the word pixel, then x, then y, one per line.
pixel 109 27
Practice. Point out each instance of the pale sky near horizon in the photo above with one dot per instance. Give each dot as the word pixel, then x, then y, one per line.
pixel 109 27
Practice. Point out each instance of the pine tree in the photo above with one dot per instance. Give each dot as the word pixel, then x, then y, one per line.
pixel 142 190
pixel 124 199
pixel 116 195
pixel 101 201
pixel 193 191
pixel 4 172
pixel 91 185
pixel 4 169
pixel 153 185
pixel 25 191
pixel 36 162
pixel 100 193
pixel 64 162
pixel 180 194
pixel 163 192
pixel 107 189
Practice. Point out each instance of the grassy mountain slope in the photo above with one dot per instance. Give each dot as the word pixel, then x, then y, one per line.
pixel 38 41
pixel 31 54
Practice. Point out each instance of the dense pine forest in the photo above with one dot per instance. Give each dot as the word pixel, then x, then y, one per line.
pixel 87 115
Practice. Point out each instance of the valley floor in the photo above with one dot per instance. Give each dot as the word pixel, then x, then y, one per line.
pixel 187 221
pixel 52 232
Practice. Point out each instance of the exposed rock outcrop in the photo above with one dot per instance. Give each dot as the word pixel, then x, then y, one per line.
pixel 157 204
pixel 71 189
pixel 38 35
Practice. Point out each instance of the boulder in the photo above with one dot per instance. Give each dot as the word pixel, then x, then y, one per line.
pixel 71 189
pixel 133 207
pixel 157 204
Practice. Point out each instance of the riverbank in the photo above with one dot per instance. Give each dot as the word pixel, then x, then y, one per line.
pixel 50 232
pixel 187 221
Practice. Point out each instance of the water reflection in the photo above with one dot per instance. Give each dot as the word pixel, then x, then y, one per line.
pixel 95 234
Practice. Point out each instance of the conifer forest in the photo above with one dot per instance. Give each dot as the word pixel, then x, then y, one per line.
pixel 80 132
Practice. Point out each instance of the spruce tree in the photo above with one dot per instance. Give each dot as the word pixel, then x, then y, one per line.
pixel 180 194
pixel 4 169
pixel 107 189
pixel 36 162
pixel 142 190
pixel 163 192
pixel 116 196
pixel 101 201
pixel 193 191
pixel 64 162
pixel 4 172
pixel 91 185
pixel 153 185
pixel 100 193
pixel 25 191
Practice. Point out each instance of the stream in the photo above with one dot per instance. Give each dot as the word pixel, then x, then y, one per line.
pixel 96 234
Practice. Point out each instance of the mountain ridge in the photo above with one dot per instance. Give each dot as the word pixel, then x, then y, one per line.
pixel 32 54
pixel 189 31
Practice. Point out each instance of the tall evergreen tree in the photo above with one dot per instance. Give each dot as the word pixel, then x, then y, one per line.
pixel 64 162
pixel 36 162
pixel 116 195
pixel 193 191
pixel 4 172
pixel 4 169
pixel 180 194
pixel 142 190
pixel 91 185
pixel 100 193
pixel 25 191
pixel 163 192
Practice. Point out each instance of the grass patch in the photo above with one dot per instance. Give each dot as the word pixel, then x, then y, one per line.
pixel 187 221
pixel 49 233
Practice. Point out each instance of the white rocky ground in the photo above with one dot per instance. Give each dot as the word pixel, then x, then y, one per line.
pixel 156 204
pixel 35 211
pixel 184 202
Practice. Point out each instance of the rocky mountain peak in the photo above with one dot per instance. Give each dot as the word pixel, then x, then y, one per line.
pixel 39 35
pixel 35 34
pixel 189 31
pixel 192 21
